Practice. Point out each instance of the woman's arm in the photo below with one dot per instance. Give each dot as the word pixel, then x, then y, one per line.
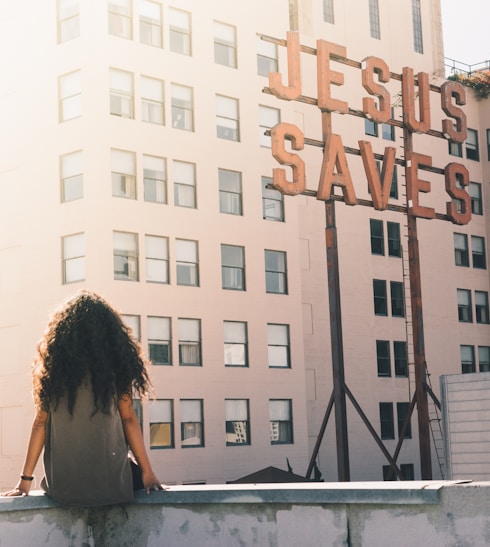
pixel 34 449
pixel 134 438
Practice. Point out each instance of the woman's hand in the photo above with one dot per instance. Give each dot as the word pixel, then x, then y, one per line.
pixel 21 489
pixel 150 482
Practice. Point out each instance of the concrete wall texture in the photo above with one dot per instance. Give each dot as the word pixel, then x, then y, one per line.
pixel 435 513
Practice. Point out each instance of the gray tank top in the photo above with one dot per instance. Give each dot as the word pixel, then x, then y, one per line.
pixel 86 456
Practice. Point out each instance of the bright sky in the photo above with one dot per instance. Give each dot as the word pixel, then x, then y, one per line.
pixel 466 27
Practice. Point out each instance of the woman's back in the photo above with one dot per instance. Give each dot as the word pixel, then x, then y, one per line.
pixel 86 455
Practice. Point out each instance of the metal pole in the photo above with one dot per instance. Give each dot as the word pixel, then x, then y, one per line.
pixel 418 329
pixel 337 344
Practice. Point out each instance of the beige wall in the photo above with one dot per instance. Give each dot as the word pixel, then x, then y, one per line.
pixel 32 222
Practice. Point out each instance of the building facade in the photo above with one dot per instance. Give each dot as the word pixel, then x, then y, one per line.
pixel 137 164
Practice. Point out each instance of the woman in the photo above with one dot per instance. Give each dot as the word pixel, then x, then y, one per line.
pixel 85 374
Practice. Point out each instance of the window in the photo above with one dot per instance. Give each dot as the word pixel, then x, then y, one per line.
pixel 397 304
pixel 386 420
pixel 237 422
pixel 394 244
pixel 380 298
pixel 467 359
pixel 225 45
pixel 278 346
pixel 150 23
pixel 455 149
pixel 276 280
pixel 387 130
pixel 190 342
pixel 71 174
pixel 394 183
pixel 159 340
pixel 484 358
pixel 418 44
pixel 133 324
pixel 471 144
pixel 464 306
pixel 68 20
pixel 161 423
pixel 461 255
pixel 268 118
pixel 125 256
pixel 370 128
pixel 281 421
pixel 235 337
pixel 377 237
pixel 152 101
pixel 474 190
pixel 123 172
pixel 70 96
pixel 182 107
pixel 383 358
pixel 184 184
pixel 73 258
pixel 180 31
pixel 187 261
pixel 233 267
pixel 388 474
pixel 401 360
pixel 481 307
pixel 230 192
pixel 266 57
pixel 156 259
pixel 407 471
pixel 402 413
pixel 191 423
pixel 227 122
pixel 374 27
pixel 478 252
pixel 121 93
pixel 328 13
pixel 272 202
pixel 120 18
pixel 155 179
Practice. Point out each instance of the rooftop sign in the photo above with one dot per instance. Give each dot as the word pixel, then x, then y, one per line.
pixel 376 106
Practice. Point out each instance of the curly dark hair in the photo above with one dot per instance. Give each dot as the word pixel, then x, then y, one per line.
pixel 87 339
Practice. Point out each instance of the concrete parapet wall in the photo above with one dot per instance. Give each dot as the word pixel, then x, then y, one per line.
pixel 435 513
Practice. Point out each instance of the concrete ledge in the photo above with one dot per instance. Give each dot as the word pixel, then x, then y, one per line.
pixel 370 514
pixel 386 493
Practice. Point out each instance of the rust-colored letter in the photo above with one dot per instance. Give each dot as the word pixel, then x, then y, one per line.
pixel 453 173
pixel 293 90
pixel 379 186
pixel 415 185
pixel 370 66
pixel 325 77
pixel 334 159
pixel 450 89
pixel 408 95
pixel 278 135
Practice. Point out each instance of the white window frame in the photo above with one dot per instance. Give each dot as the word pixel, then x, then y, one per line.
pixel 184 175
pixel 235 344
pixel 191 423
pixel 230 191
pixel 68 15
pixel 120 18
pixel 182 105
pixel 159 336
pixel 155 179
pixel 187 262
pixel 126 251
pixel 70 96
pixel 150 27
pixel 121 93
pixel 123 173
pixel 156 259
pixel 180 31
pixel 225 44
pixel 152 100
pixel 71 176
pixel 278 345
pixel 227 118
pixel 161 413
pixel 189 342
pixel 73 258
